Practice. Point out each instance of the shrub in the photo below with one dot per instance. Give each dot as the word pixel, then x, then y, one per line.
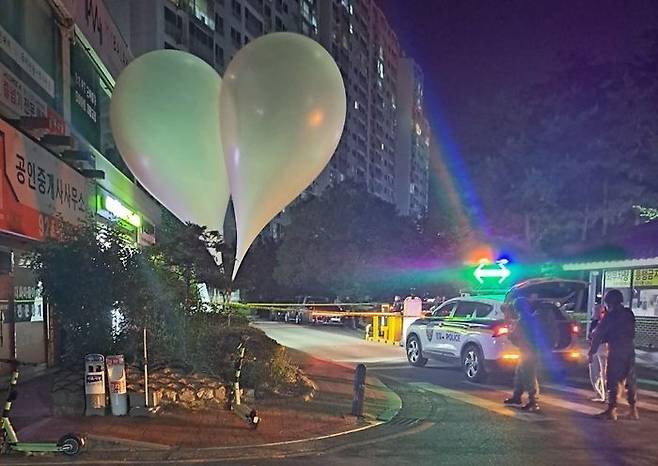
pixel 213 348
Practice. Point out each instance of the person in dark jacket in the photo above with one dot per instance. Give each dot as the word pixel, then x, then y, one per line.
pixel 617 329
pixel 525 337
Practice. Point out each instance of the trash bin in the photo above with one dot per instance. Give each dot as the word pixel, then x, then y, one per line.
pixel 116 374
pixel 94 385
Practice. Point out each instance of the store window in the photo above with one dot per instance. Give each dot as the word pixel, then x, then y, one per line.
pixel 639 287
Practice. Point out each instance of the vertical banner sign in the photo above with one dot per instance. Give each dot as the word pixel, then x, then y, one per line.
pixel 84 95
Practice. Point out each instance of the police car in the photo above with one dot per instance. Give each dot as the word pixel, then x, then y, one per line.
pixel 473 330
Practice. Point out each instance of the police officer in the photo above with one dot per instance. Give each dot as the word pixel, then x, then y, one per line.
pixel 524 336
pixel 618 330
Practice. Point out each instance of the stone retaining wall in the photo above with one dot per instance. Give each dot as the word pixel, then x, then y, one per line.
pixel 167 386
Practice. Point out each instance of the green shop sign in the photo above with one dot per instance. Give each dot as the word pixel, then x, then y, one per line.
pixel 85 113
pixel 112 209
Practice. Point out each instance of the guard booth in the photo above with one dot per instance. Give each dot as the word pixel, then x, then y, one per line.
pixel 630 265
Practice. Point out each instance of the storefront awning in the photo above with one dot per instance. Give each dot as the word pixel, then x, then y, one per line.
pixel 611 264
pixel 628 248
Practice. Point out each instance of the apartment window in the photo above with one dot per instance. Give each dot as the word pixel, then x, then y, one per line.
pixel 253 24
pixel 168 46
pixel 278 23
pixel 237 9
pixel 198 35
pixel 173 23
pixel 219 56
pixel 236 38
pixel 219 25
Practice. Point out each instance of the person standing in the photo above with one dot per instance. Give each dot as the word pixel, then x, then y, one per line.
pixel 524 336
pixel 599 363
pixel 618 330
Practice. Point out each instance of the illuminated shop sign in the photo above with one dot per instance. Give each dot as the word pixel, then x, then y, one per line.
pixel 113 209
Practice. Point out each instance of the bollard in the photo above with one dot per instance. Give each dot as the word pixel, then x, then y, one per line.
pixel 359 390
pixel 238 371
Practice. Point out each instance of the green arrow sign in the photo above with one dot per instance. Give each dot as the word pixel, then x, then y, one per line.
pixel 497 270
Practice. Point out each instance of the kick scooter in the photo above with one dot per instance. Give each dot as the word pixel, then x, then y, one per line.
pixel 69 444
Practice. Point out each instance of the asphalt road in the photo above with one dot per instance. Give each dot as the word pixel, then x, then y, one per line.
pixel 456 422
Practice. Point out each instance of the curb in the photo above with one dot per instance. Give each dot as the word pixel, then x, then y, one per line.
pixel 393 401
pixel 162 447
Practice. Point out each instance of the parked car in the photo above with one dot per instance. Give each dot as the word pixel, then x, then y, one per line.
pixel 473 330
pixel 309 304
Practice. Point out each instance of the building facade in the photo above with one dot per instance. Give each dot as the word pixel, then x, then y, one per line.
pixel 213 30
pixel 366 50
pixel 385 101
pixel 58 63
pixel 413 142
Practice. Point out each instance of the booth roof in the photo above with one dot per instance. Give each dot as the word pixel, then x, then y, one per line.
pixel 636 246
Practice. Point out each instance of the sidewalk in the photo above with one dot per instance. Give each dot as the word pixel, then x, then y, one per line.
pixel 283 420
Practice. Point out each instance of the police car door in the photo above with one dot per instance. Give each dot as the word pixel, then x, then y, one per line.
pixel 431 337
pixel 455 329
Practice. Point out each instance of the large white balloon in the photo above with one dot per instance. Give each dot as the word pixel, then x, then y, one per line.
pixel 165 122
pixel 282 114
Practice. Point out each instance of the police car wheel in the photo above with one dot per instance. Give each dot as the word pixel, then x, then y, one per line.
pixel 473 364
pixel 415 352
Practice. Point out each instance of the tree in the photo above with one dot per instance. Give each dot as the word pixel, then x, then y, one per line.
pixel 185 249
pixel 347 243
pixel 570 157
pixel 82 275
pixel 256 277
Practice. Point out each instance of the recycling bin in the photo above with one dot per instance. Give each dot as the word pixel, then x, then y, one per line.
pixel 116 375
pixel 95 385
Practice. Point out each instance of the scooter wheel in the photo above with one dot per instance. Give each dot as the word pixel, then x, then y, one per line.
pixel 70 444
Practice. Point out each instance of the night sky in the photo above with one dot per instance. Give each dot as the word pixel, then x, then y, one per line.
pixel 472 49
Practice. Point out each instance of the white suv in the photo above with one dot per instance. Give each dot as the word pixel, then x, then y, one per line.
pixel 473 330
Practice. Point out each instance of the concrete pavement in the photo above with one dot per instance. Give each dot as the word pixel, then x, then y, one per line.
pixel 469 423
pixel 444 420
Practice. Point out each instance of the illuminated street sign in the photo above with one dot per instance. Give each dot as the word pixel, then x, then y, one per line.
pixel 488 270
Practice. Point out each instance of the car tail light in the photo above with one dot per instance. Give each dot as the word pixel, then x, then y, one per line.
pixel 575 329
pixel 500 331
pixel 511 357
